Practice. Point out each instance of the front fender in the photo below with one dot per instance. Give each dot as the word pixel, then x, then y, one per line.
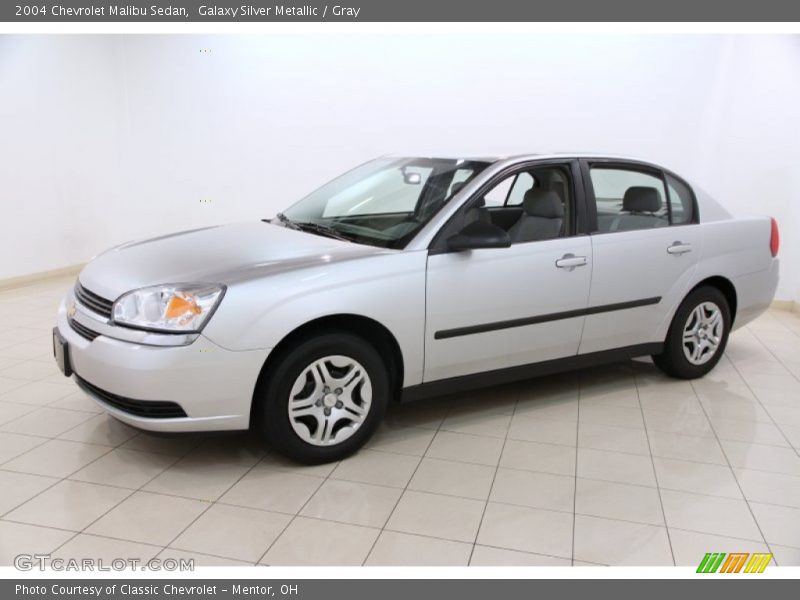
pixel 387 288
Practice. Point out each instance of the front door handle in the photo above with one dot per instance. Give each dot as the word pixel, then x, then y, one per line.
pixel 570 261
pixel 679 248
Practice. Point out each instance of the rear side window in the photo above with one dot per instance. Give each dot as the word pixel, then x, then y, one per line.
pixel 628 200
pixel 681 201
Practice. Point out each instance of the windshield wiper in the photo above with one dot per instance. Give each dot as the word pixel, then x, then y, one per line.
pixel 286 221
pixel 312 228
pixel 320 229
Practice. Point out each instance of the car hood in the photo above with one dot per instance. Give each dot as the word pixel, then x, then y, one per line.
pixel 223 254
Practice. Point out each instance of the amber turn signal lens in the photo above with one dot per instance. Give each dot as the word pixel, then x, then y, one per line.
pixel 181 306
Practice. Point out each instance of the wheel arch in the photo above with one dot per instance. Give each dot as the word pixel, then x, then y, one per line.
pixel 367 328
pixel 725 286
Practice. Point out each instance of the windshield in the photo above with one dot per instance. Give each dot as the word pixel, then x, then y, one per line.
pixel 384 202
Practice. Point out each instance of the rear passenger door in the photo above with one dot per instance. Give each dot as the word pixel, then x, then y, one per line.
pixel 645 247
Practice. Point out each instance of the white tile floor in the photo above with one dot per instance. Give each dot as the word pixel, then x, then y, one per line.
pixel 616 465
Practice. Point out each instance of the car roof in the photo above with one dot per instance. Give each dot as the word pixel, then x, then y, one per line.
pixel 516 156
pixel 521 158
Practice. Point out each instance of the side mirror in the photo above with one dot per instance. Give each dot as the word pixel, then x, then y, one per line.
pixel 479 234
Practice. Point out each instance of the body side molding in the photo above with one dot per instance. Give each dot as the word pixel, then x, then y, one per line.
pixel 567 314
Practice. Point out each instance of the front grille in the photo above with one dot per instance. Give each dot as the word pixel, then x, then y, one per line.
pixel 92 301
pixel 152 409
pixel 82 330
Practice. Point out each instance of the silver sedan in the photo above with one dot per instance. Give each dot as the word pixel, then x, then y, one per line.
pixel 409 277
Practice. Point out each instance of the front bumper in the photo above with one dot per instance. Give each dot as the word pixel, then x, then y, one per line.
pixel 214 386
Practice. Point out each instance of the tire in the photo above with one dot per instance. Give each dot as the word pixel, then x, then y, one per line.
pixel 338 388
pixel 705 317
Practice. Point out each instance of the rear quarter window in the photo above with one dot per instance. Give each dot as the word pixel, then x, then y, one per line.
pixel 681 201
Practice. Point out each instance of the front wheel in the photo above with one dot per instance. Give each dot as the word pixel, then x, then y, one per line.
pixel 323 398
pixel 697 336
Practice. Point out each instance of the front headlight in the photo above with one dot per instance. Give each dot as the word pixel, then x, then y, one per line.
pixel 168 308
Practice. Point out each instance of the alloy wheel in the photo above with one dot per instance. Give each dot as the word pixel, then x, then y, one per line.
pixel 702 333
pixel 330 400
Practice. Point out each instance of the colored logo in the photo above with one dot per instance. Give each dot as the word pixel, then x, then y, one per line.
pixel 734 562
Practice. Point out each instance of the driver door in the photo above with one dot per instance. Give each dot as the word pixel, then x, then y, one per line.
pixel 495 308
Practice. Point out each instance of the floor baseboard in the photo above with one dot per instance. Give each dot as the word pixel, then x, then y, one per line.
pixel 788 305
pixel 25 280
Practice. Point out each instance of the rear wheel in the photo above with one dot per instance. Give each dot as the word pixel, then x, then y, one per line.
pixel 697 336
pixel 323 398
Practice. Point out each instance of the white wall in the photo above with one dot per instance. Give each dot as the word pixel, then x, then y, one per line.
pixel 109 138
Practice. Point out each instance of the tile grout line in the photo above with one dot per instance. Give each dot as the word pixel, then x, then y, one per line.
pixel 68 477
pixel 211 503
pixel 296 514
pixel 494 477
pixel 160 549
pixel 43 442
pixel 761 404
pixel 575 483
pixel 503 503
pixel 59 479
pixel 132 492
pixel 405 488
pixel 654 410
pixel 597 449
pixel 736 479
pixel 35 408
pixel 420 535
pixel 653 465
pixel 388 487
pixel 391 487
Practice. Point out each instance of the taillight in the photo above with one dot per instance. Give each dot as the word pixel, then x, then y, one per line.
pixel 774 238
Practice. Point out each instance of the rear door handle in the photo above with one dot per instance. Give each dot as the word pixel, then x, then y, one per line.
pixel 679 248
pixel 570 261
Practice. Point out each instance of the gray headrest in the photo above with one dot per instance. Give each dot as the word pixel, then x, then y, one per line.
pixel 641 199
pixel 544 178
pixel 543 203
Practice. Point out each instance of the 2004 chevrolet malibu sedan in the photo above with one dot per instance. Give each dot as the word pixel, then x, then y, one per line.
pixel 409 277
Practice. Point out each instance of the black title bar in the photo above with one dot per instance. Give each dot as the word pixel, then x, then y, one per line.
pixel 188 11
pixel 733 588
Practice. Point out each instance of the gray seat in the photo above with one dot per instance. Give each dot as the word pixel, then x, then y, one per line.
pixel 639 207
pixel 477 212
pixel 542 217
pixel 553 180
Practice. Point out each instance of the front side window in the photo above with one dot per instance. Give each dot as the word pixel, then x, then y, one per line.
pixel 384 202
pixel 498 194
pixel 510 191
pixel 530 205
pixel 628 199
pixel 522 183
